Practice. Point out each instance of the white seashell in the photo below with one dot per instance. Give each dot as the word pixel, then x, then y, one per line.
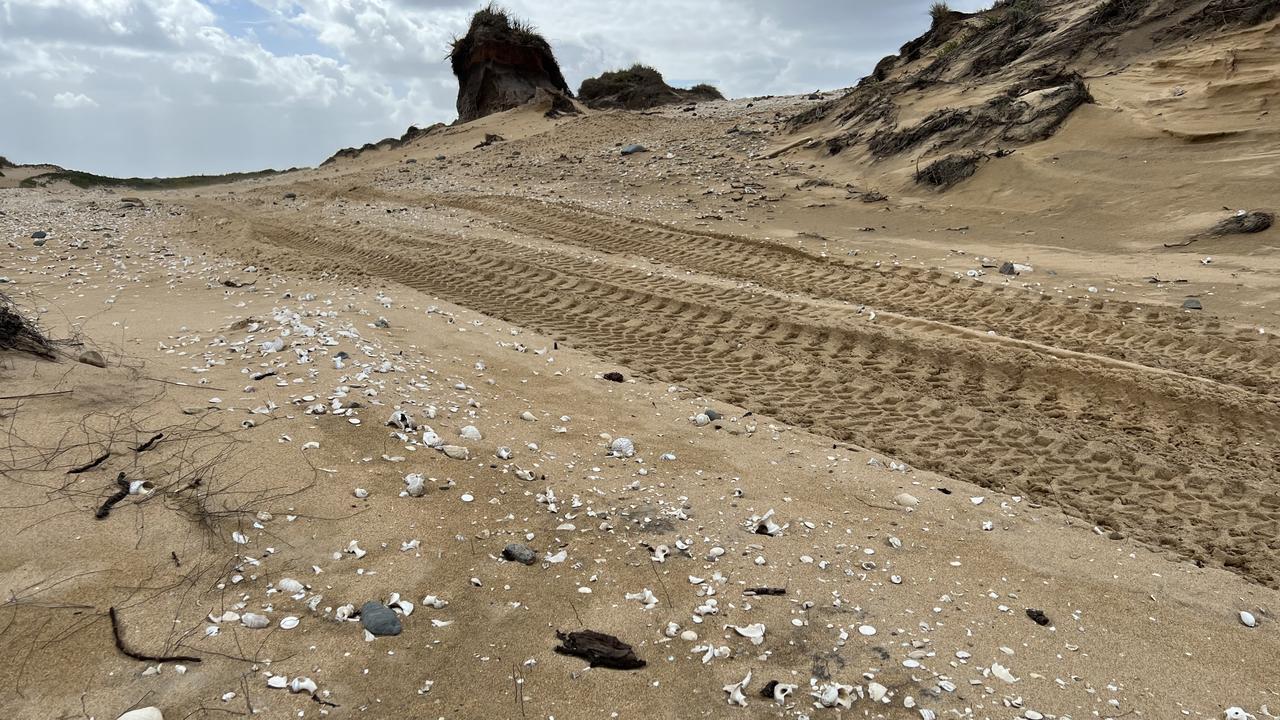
pixel 504 453
pixel 622 447
pixel 735 690
pixel 470 432
pixel 431 439
pixel 404 606
pixel 672 630
pixel 1003 673
pixel 360 493
pixel 254 621
pixel 668 457
pixel 434 602
pixel 754 632
pixel 354 549
pixel 866 630
pixel 141 487
pixel 1237 713
pixel 701 420
pixel 660 553
pixel 279 682
pixel 288 623
pixel 415 485
pixel 302 684
pixel 239 538
pixel 689 636
pixel 289 585
pixel 558 557
pixel 344 613
pixel 146 713
pixel 1247 619
pixel 528 416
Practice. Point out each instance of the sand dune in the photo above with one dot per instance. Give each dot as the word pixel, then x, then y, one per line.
pixel 999 465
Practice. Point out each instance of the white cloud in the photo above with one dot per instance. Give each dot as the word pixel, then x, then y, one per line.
pixel 152 87
pixel 71 101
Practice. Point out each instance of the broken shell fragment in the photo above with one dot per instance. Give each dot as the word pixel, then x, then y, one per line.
pixel 735 690
pixel 146 713
pixel 302 684
pixel 254 621
pixel 415 485
pixel 288 623
pixel 834 695
pixel 753 632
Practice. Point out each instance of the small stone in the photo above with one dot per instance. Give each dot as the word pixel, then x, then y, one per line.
pixel 290 196
pixel 633 149
pixel 516 552
pixel 1008 269
pixel 39 235
pixel 379 619
pixel 457 452
pixel 712 415
pixel 1192 304
pixel 1247 619
pixel 614 377
pixel 1038 617
pixel 907 500
pixel 93 357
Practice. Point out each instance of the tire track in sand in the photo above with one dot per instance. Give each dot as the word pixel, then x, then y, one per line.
pixel 1174 462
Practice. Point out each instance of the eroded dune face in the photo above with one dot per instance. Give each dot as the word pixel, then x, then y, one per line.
pixel 501 64
pixel 978 86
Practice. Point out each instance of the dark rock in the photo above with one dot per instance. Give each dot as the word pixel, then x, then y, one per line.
pixel 500 64
pixel 290 196
pixel 516 552
pixel 712 414
pixel 1192 304
pixel 379 619
pixel 639 87
pixel 1039 617
pixel 633 149
pixel 614 377
pixel 599 649
pixel 1008 269
pixel 39 235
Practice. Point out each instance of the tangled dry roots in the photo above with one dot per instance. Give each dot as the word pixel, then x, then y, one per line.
pixel 21 335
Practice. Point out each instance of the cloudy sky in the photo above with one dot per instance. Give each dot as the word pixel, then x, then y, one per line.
pixel 174 87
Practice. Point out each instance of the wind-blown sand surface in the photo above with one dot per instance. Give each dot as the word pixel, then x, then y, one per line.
pixel 942 449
